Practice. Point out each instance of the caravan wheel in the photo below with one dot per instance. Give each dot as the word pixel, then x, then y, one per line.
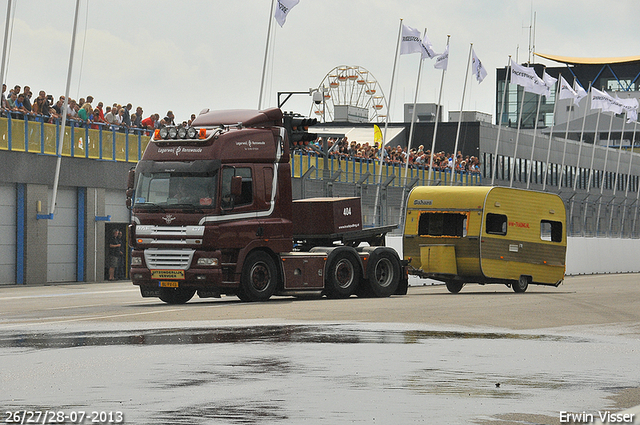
pixel 521 285
pixel 454 286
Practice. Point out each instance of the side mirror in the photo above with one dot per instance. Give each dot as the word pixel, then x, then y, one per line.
pixel 236 186
pixel 132 178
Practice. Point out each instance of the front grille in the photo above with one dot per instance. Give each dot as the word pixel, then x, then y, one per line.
pixel 168 258
pixel 149 230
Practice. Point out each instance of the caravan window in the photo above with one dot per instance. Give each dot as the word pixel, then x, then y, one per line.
pixel 442 224
pixel 496 224
pixel 551 231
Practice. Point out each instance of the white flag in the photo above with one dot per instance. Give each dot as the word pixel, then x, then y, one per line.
pixel 566 91
pixel 478 69
pixel 549 81
pixel 282 10
pixel 580 91
pixel 602 100
pixel 427 48
pixel 410 42
pixel 442 60
pixel 527 78
pixel 630 106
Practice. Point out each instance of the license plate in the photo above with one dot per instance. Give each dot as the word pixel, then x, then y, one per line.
pixel 167 274
pixel 168 284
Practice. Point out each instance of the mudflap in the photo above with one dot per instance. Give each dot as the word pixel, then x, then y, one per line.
pixel 403 285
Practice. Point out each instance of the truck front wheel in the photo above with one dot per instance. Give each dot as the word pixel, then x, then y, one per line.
pixel 176 295
pixel 259 277
pixel 343 276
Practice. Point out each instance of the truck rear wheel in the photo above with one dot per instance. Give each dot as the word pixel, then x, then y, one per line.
pixel 384 275
pixel 259 277
pixel 176 295
pixel 521 285
pixel 343 275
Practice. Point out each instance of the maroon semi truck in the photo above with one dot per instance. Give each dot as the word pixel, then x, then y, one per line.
pixel 212 214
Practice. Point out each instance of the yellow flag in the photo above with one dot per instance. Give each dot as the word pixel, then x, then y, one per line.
pixel 377 135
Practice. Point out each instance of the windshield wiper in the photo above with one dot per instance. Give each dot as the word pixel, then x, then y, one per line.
pixel 150 206
pixel 187 206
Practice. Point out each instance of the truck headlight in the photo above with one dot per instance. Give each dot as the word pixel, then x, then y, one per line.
pixel 207 261
pixel 136 261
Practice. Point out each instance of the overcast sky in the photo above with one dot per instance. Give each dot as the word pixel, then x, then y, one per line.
pixel 190 55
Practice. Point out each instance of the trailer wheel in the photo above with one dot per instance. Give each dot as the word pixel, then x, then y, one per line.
pixel 521 285
pixel 454 286
pixel 384 275
pixel 343 275
pixel 259 277
pixel 176 295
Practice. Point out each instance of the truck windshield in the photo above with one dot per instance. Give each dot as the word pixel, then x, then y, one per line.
pixel 165 189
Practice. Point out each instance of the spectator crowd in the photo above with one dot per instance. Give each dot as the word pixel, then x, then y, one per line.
pixel 342 148
pixel 19 104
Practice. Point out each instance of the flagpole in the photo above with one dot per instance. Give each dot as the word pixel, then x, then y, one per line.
pixel 615 181
pixel 593 154
pixel 533 142
pixel 584 120
pixel 56 178
pixel 515 149
pixel 593 151
pixel 566 135
pixel 413 120
pixel 386 123
pixel 555 104
pixel 266 53
pixel 6 41
pixel 626 188
pixel 504 94
pixel 455 148
pixel 435 127
pixel 635 128
pixel 604 174
pixel 575 179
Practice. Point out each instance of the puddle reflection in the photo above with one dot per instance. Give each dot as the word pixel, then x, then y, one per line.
pixel 321 334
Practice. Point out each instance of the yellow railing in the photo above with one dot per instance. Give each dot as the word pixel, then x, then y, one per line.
pixel 105 143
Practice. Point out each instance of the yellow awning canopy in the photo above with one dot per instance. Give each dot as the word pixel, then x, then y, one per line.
pixel 588 61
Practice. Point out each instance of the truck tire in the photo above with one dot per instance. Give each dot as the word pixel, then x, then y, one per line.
pixel 176 295
pixel 521 285
pixel 454 286
pixel 343 273
pixel 259 277
pixel 383 274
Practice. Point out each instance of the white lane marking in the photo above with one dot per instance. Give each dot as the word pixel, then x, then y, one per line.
pixel 80 319
pixel 66 294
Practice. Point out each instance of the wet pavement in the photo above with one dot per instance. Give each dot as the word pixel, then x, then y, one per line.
pixel 246 372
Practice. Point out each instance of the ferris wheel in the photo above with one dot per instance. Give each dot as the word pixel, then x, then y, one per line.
pixel 351 90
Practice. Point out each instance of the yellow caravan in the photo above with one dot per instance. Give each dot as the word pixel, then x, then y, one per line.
pixel 485 234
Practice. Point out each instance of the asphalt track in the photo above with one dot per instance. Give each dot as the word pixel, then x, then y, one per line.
pixel 486 355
